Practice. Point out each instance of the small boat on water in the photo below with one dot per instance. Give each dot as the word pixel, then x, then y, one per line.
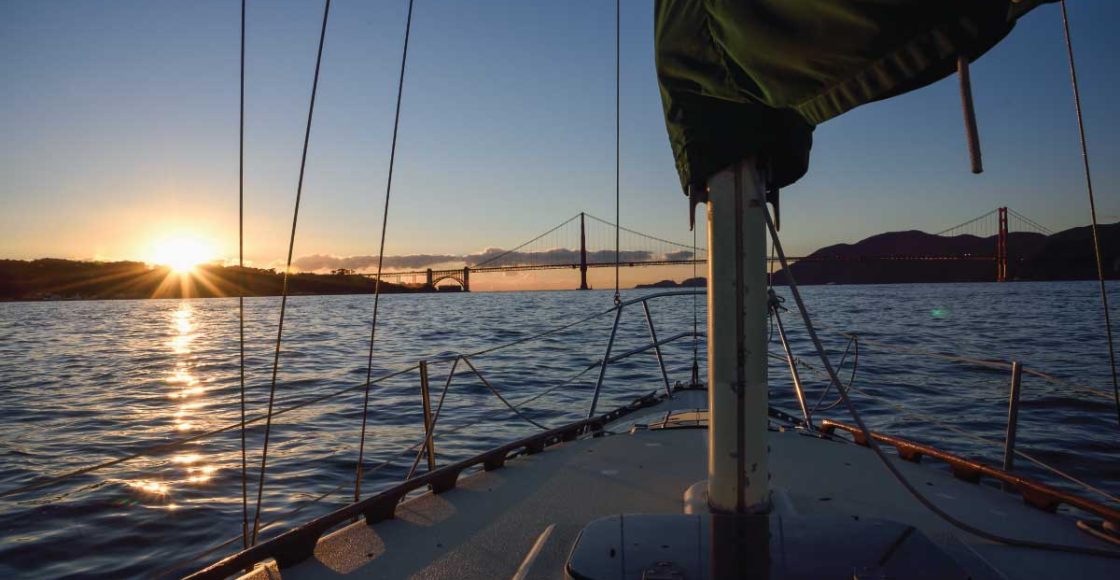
pixel 706 479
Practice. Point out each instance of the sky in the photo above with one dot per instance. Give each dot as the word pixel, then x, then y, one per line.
pixel 120 122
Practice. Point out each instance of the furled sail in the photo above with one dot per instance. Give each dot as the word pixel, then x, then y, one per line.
pixel 754 77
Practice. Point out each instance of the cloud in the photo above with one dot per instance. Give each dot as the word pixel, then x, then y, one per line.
pixel 318 262
pixel 681 255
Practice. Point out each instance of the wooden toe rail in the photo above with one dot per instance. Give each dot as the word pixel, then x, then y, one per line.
pixel 1035 494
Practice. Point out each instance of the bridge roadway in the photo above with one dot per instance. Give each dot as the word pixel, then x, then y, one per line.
pixel 462 275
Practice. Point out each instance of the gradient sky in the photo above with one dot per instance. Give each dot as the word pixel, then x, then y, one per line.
pixel 119 127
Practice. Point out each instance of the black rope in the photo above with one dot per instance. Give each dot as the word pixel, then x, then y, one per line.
pixel 617 144
pixel 287 271
pixel 241 287
pixel 381 257
pixel 1092 211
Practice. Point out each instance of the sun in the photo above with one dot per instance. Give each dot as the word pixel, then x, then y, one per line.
pixel 182 253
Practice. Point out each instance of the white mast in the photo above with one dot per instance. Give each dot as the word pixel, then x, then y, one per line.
pixel 738 470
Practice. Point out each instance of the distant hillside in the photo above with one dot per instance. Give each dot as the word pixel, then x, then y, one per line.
pixel 71 279
pixel 1067 255
pixel 687 283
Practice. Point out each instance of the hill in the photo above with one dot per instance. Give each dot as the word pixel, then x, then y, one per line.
pixel 889 258
pixel 51 278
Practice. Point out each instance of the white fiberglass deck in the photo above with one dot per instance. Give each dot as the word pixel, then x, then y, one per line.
pixel 492 522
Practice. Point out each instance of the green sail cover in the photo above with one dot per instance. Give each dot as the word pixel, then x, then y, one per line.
pixel 754 77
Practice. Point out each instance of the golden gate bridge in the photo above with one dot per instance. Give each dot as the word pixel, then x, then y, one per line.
pixel 584 241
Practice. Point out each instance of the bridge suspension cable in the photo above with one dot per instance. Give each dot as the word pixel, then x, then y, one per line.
pixel 985 225
pixel 647 236
pixel 1027 223
pixel 963 226
pixel 506 253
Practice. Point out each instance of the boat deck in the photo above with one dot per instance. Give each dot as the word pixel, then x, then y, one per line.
pixel 525 518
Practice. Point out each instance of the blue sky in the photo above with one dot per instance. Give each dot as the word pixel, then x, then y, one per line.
pixel 120 124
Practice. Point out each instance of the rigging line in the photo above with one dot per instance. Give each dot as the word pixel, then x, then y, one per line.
pixel 964 433
pixel 525 401
pixel 881 455
pixel 287 272
pixel 1055 380
pixel 508 252
pixel 241 286
pixel 934 421
pixel 430 430
pixel 617 145
pixel 992 364
pixel 854 339
pixel 515 410
pixel 486 351
pixel 381 257
pixel 514 406
pixel 1092 209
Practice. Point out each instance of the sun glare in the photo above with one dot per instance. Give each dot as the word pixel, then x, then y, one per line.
pixel 182 254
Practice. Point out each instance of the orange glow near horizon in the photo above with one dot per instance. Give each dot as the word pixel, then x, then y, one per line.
pixel 182 253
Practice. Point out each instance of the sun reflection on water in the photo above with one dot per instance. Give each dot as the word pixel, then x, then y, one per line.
pixel 157 488
pixel 188 415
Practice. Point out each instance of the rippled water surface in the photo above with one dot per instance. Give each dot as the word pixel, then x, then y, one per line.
pixel 83 383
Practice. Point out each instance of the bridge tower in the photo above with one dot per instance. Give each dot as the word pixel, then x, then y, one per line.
pixel 430 278
pixel 582 253
pixel 1001 247
pixel 466 279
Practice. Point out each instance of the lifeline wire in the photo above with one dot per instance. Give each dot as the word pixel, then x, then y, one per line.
pixel 1092 211
pixel 381 257
pixel 617 143
pixel 287 270
pixel 906 412
pixel 874 445
pixel 241 286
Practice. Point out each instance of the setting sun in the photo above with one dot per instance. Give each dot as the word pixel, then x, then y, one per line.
pixel 182 254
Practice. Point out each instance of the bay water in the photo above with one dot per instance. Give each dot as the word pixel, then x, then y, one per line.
pixel 88 382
